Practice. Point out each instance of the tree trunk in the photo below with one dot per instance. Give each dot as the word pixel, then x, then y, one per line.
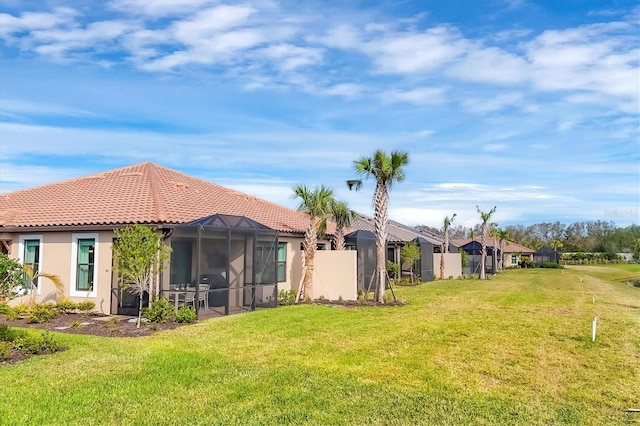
pixel 483 256
pixel 310 243
pixel 442 264
pixel 380 221
pixel 339 238
pixel 140 310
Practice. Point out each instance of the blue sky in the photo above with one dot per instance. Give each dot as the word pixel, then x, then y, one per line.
pixel 531 106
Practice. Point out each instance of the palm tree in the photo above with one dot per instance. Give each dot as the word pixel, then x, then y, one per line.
pixel 494 232
pixel 484 233
pixel 504 236
pixel 32 277
pixel 317 204
pixel 386 170
pixel 342 215
pixel 445 245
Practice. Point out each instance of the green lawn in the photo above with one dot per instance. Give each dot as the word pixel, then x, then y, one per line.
pixel 512 350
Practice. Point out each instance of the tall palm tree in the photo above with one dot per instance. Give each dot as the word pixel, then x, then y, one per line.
pixel 342 215
pixel 386 170
pixel 484 233
pixel 504 236
pixel 445 245
pixel 317 204
pixel 494 232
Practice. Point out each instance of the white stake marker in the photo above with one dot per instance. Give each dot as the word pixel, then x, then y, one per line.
pixel 593 329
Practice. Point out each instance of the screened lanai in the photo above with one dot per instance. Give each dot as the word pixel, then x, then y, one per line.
pixel 222 264
pixel 365 243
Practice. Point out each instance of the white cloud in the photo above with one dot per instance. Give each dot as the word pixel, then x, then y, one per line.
pixel 416 52
pixel 156 8
pixel 418 96
pixel 29 21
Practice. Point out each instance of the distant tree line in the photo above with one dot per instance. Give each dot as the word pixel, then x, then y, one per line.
pixel 588 236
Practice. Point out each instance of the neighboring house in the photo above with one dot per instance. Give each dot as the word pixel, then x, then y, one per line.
pixel 512 256
pixel 398 235
pixel 220 237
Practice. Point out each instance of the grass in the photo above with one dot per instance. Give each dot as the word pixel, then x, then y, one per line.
pixel 515 349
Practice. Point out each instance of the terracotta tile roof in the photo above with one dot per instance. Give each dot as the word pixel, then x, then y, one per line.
pixel 396 232
pixel 142 193
pixel 509 247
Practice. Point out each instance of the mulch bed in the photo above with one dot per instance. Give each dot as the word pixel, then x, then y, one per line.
pixel 78 323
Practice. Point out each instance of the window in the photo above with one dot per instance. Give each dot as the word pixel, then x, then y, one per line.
pixel 30 251
pixel 84 268
pixel 514 259
pixel 282 262
pixel 319 246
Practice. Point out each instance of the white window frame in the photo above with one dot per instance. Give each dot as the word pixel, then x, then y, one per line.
pixel 74 265
pixel 21 240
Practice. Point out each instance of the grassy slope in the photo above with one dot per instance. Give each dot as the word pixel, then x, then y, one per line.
pixel 512 350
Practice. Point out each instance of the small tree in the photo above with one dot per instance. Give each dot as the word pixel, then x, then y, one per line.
pixel 636 250
pixel 139 252
pixel 317 204
pixel 484 234
pixel 409 254
pixel 342 215
pixel 445 244
pixel 33 276
pixel 12 278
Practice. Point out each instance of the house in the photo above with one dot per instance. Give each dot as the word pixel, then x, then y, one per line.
pixel 227 240
pixel 398 235
pixel 512 256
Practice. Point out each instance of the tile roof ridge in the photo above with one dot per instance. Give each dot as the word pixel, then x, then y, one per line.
pixel 158 204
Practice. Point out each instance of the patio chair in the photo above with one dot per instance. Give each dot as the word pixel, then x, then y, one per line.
pixel 190 298
pixel 203 296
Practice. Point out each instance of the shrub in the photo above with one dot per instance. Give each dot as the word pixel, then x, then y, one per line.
pixel 4 308
pixel 31 345
pixel 5 332
pixel 161 310
pixel 11 277
pixel 186 314
pixel 27 344
pixel 48 342
pixel 86 306
pixel 527 263
pixel 41 313
pixel 393 269
pixel 550 265
pixel 66 306
pixel 5 350
pixel 21 308
pixel 286 297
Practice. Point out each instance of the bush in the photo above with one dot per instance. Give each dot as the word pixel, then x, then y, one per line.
pixel 393 269
pixel 31 345
pixel 161 310
pixel 27 344
pixel 286 297
pixel 5 333
pixel 87 306
pixel 11 277
pixel 66 306
pixel 5 350
pixel 41 313
pixel 550 265
pixel 527 263
pixel 186 314
pixel 48 342
pixel 4 308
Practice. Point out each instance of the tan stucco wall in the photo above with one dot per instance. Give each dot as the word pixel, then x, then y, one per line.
pixel 56 258
pixel 452 265
pixel 336 274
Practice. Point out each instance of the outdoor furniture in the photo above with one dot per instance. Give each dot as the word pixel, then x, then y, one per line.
pixel 177 294
pixel 203 295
